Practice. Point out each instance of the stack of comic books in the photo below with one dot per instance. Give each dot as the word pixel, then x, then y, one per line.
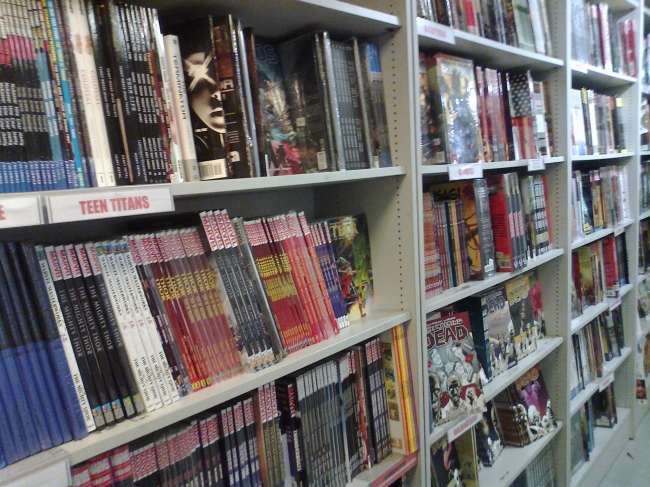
pixel 522 24
pixel 330 421
pixel 472 114
pixel 524 409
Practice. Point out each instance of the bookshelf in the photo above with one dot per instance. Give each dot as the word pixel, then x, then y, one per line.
pixel 392 200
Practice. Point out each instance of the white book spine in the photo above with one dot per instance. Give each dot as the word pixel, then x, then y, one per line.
pixel 76 42
pixel 181 108
pixel 143 307
pixel 130 335
pixel 79 388
pixel 96 106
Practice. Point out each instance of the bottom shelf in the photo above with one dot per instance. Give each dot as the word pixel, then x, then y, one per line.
pixel 512 461
pixel 608 442
pixel 386 472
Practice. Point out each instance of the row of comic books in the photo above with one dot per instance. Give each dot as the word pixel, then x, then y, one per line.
pixel 598 342
pixel 329 422
pixel 643 304
pixel 599 270
pixel 540 472
pixel 644 197
pixel 645 67
pixel 206 101
pixel 518 23
pixel 644 246
pixel 308 104
pixel 599 411
pixel 476 340
pixel 527 401
pixel 603 38
pixel 85 99
pixel 138 322
pixel 597 123
pixel 599 198
pixel 644 124
pixel 475 228
pixel 472 114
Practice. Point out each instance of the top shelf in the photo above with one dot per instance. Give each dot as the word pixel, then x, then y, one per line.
pixel 490 53
pixel 282 18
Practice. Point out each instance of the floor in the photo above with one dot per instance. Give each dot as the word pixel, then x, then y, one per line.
pixel 632 467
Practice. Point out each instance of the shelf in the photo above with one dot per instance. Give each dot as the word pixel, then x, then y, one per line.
pixel 597 78
pixel 287 16
pixel 644 330
pixel 512 461
pixel 588 314
pixel 544 348
pixel 386 472
pixel 489 166
pixel 600 234
pixel 607 444
pixel 645 89
pixel 601 157
pixel 644 215
pixel 484 51
pixel 591 388
pixel 470 288
pixel 640 278
pixel 643 153
pixel 96 443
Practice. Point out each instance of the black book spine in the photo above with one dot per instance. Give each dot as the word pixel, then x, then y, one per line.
pixel 99 314
pixel 79 345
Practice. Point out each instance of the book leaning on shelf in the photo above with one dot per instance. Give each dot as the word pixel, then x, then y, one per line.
pixel 597 123
pixel 472 114
pixel 136 323
pixel 331 421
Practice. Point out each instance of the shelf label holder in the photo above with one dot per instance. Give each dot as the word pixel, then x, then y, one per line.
pixel 605 382
pixel 618 230
pixel 20 211
pixel 536 164
pixel 94 205
pixel 465 171
pixel 438 32
pixel 580 67
pixel 615 304
pixel 463 426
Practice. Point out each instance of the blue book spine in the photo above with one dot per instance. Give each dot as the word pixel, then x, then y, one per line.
pixel 61 433
pixel 3 462
pixel 55 345
pixel 14 397
pixel 2 178
pixel 13 178
pixel 79 171
pixel 12 442
pixel 25 354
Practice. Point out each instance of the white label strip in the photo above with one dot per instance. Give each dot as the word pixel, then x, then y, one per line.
pixel 463 426
pixel 536 164
pixel 438 32
pixel 606 381
pixel 93 205
pixel 21 211
pixel 465 171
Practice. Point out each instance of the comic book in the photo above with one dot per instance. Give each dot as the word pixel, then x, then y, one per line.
pixel 454 104
pixel 538 305
pixel 521 311
pixel 351 245
pixel 445 464
pixel 280 142
pixel 489 437
pixel 455 375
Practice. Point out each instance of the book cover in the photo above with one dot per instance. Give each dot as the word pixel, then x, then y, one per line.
pixel 455 375
pixel 521 311
pixel 538 306
pixel 351 245
pixel 445 464
pixel 489 436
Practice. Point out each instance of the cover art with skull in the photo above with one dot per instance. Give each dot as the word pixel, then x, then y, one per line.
pixel 532 396
pixel 455 375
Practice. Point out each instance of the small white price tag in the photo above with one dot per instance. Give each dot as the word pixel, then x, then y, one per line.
pixel 581 67
pixel 438 32
pixel 93 205
pixel 536 164
pixel 463 426
pixel 615 304
pixel 465 171
pixel 606 381
pixel 618 230
pixel 21 211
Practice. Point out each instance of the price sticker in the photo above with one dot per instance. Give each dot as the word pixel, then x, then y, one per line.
pixel 20 211
pixel 536 164
pixel 606 381
pixel 94 205
pixel 463 426
pixel 437 32
pixel 465 171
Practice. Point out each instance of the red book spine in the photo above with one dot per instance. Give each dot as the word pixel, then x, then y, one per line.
pixel 501 223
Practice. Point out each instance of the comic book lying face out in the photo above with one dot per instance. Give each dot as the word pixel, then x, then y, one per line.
pixel 455 375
